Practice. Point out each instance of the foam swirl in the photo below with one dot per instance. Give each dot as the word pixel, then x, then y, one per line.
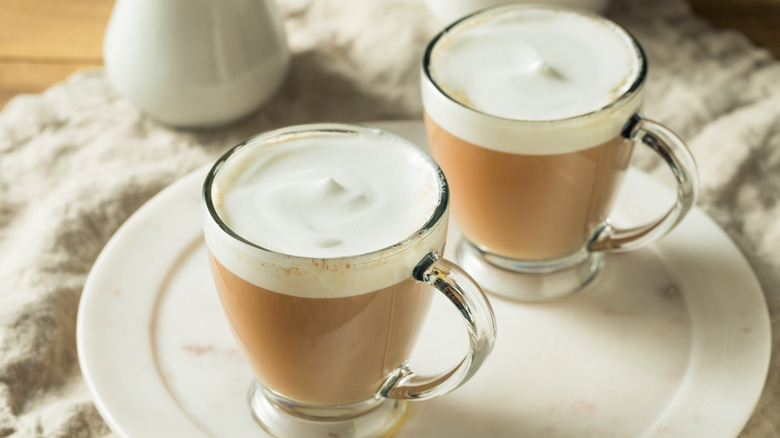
pixel 528 63
pixel 326 196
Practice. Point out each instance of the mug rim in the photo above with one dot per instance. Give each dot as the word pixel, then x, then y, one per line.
pixel 278 135
pixel 496 10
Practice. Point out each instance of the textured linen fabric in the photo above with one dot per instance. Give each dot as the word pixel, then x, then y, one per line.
pixel 78 160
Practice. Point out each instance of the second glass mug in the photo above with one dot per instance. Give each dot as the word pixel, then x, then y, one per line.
pixel 357 386
pixel 536 224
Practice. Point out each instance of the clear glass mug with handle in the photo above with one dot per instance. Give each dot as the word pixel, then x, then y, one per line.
pixel 328 337
pixel 532 111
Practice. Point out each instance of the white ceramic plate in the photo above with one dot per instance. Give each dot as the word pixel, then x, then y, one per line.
pixel 670 341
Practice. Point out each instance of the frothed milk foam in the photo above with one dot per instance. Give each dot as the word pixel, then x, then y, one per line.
pixel 325 196
pixel 553 66
pixel 524 108
pixel 531 64
pixel 318 322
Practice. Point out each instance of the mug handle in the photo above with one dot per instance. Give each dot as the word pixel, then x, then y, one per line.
pixel 473 306
pixel 679 158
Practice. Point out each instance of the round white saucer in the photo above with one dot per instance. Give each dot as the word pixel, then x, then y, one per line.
pixel 670 341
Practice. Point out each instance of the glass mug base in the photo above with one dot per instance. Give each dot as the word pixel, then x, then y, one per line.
pixel 529 281
pixel 284 418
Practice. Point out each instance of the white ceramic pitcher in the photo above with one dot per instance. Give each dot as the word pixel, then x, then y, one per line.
pixel 196 63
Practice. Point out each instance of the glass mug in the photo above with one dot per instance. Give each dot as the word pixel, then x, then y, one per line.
pixel 328 337
pixel 532 113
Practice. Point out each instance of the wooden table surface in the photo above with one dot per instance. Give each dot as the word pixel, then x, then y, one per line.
pixel 43 41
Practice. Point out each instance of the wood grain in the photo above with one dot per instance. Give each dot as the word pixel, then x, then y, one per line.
pixel 20 77
pixel 42 42
pixel 759 20
pixel 53 29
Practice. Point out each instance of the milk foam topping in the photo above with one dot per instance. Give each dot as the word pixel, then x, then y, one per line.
pixel 324 198
pixel 528 63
